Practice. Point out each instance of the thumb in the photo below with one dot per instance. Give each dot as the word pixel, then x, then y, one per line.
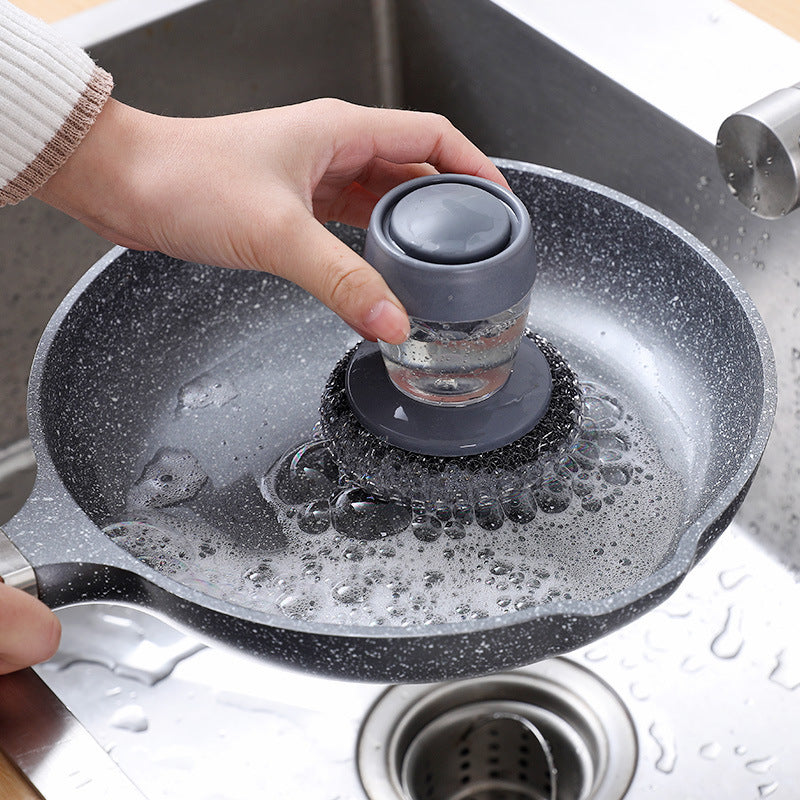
pixel 29 631
pixel 325 266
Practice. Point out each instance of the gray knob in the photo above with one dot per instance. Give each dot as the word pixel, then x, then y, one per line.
pixel 453 248
pixel 758 150
pixel 450 223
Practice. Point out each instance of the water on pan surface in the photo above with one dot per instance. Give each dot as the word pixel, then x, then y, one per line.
pixel 238 497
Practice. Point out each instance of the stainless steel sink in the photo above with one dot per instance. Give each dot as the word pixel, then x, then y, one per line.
pixel 710 680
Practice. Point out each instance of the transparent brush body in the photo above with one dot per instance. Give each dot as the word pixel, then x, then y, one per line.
pixel 457 363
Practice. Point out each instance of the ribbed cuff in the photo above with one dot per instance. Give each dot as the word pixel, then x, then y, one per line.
pixel 64 143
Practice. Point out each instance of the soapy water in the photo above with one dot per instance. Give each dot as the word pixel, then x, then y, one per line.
pixel 579 524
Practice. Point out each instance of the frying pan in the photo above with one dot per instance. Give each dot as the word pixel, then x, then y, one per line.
pixel 630 299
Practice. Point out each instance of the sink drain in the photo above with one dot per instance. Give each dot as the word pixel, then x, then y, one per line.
pixel 480 750
pixel 511 736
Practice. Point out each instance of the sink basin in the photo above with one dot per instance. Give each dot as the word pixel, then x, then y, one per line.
pixel 710 679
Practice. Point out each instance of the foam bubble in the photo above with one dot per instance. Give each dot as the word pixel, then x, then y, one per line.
pixel 172 476
pixel 581 524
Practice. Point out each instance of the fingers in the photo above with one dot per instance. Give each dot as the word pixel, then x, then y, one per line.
pixel 408 137
pixel 354 205
pixel 29 631
pixel 314 258
pixel 381 175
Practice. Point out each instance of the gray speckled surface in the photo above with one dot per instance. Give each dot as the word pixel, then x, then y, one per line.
pixel 629 298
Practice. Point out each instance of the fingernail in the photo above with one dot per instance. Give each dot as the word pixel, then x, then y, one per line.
pixel 387 322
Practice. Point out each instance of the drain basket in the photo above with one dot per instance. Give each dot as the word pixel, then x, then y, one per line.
pixel 508 736
pixel 480 752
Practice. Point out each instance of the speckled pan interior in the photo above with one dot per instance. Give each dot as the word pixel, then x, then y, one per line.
pixel 149 355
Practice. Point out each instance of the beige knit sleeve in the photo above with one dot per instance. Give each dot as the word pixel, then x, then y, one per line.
pixel 50 94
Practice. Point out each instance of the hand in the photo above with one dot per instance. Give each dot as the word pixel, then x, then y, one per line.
pixel 250 190
pixel 29 631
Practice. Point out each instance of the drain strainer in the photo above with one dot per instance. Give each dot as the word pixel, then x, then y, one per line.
pixel 503 737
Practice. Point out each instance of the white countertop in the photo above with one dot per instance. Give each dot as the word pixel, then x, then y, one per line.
pixel 696 60
pixel 115 17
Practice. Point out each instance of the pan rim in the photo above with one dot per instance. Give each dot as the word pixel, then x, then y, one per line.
pixel 671 572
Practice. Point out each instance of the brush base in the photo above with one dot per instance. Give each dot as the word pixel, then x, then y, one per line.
pixel 419 427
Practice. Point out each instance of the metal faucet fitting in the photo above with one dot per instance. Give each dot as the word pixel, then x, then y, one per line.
pixel 758 151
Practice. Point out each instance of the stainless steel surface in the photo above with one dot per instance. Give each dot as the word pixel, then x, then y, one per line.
pixel 711 682
pixel 54 751
pixel 482 750
pixel 435 740
pixel 758 149
pixel 15 570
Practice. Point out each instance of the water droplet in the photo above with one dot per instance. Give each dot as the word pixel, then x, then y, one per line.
pixel 665 740
pixel 553 496
pixel 303 474
pixel 728 643
pixel 427 529
pixel 353 553
pixel 596 654
pixel 518 506
pixel 605 412
pixel 692 665
pixel 349 593
pixel 260 575
pixel 488 514
pixel 678 608
pixel 592 504
pixel 432 578
pixel 729 579
pixel 294 606
pixel 163 549
pixel 786 672
pixel 210 388
pixel 617 475
pixel 710 751
pixel 315 517
pixel 455 530
pixel 766 789
pixel 357 514
pixel 130 718
pixel 761 765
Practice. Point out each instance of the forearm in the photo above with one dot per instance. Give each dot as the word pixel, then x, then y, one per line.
pixel 102 184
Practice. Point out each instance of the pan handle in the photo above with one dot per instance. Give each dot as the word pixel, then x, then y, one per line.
pixel 15 569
